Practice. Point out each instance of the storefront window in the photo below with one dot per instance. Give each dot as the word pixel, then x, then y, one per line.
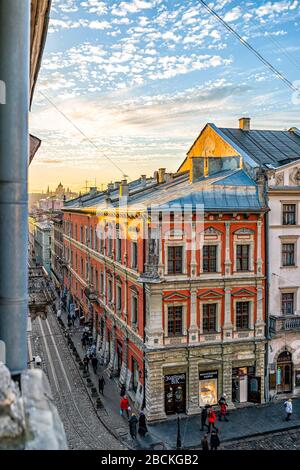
pixel 208 388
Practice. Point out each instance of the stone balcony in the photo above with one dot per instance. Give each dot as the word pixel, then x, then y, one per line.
pixel 284 323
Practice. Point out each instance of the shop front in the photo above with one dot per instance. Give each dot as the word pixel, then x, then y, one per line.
pixel 208 388
pixel 246 387
pixel 175 393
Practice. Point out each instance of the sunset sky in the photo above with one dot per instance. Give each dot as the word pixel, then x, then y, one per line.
pixel 142 77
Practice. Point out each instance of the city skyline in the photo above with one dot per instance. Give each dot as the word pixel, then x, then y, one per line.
pixel 141 78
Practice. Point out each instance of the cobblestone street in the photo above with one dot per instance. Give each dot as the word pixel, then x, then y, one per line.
pixel 288 440
pixel 82 424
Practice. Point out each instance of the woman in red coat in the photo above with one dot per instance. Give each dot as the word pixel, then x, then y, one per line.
pixel 124 406
pixel 211 417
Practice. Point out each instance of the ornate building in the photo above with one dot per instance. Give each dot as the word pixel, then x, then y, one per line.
pixel 171 270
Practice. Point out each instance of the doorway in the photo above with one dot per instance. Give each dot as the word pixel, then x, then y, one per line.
pixel 284 372
pixel 175 393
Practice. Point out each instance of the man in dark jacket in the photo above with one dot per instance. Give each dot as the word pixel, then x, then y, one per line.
pixel 214 440
pixel 142 425
pixel 204 443
pixel 132 425
pixel 101 383
pixel 203 418
pixel 94 364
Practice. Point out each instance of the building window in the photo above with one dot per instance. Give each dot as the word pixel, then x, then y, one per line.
pixel 118 248
pixel 175 321
pixel 288 254
pixel 95 239
pixel 210 258
pixel 102 283
pixel 110 291
pixel 287 303
pixel 242 257
pixel 86 235
pixel 134 310
pixel 209 318
pixel 81 267
pixel 81 234
pixel 135 375
pixel 289 214
pixel 109 246
pixel 134 250
pixel 119 298
pixel 175 261
pixel 242 315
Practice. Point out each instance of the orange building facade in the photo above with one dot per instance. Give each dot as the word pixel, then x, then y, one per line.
pixel 171 270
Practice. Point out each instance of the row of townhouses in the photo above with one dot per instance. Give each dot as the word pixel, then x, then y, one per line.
pixel 191 279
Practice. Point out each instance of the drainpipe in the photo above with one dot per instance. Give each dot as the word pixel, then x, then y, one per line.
pixel 14 155
pixel 267 327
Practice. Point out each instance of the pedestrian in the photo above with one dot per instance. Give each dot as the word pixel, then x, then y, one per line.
pixel 211 415
pixel 142 424
pixel 204 443
pixel 124 406
pixel 132 425
pixel 73 318
pixel 204 418
pixel 223 408
pixel 214 440
pixel 86 364
pixel 83 343
pixel 94 364
pixel 101 383
pixel 58 315
pixel 123 390
pixel 288 408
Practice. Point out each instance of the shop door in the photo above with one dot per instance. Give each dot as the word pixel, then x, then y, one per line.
pixel 284 372
pixel 175 391
pixel 284 377
pixel 243 388
pixel 254 389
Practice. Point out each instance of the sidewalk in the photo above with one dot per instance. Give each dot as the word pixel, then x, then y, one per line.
pixel 243 422
pixel 110 413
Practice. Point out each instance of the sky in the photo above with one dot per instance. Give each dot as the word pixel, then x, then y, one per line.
pixel 141 78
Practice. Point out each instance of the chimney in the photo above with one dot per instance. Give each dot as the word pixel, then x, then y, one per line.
pixel 161 175
pixel 117 184
pixel 143 180
pixel 197 169
pixel 244 123
pixel 124 189
pixel 110 187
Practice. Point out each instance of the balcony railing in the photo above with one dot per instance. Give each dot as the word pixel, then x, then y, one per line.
pixel 284 323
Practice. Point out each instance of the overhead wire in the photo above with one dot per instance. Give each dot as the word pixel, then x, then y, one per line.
pixel 245 43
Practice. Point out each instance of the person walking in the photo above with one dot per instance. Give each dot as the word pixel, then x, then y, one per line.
pixel 204 418
pixel 204 443
pixel 142 430
pixel 223 408
pixel 123 391
pixel 132 425
pixel 288 408
pixel 211 416
pixel 214 440
pixel 58 315
pixel 86 364
pixel 124 406
pixel 101 383
pixel 94 364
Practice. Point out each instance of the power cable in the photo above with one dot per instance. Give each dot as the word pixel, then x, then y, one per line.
pixel 83 134
pixel 275 71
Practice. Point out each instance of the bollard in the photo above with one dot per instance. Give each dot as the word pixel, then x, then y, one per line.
pixel 94 392
pixel 88 382
pixel 99 403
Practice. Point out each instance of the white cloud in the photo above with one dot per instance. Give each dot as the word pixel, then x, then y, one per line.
pixel 233 14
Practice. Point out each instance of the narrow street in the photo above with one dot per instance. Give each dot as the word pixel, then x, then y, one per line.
pixel 83 426
pixel 286 440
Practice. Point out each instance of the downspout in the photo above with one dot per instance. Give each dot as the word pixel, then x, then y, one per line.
pixel 144 325
pixel 14 156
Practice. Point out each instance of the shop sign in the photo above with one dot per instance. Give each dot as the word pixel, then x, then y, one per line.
pixel 175 379
pixel 208 375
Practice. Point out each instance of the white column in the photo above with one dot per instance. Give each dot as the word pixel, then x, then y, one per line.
pixel 193 251
pixel 193 329
pixel 227 249
pixel 259 258
pixel 227 327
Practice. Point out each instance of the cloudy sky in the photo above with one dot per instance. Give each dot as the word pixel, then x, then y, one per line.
pixel 142 77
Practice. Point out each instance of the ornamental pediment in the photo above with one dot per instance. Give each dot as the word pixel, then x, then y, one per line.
pixel 244 231
pixel 243 292
pixel 175 296
pixel 211 294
